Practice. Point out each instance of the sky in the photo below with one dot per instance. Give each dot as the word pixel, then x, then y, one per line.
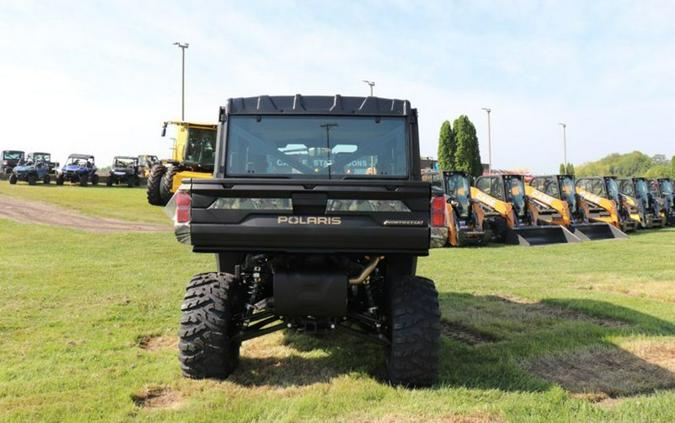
pixel 100 77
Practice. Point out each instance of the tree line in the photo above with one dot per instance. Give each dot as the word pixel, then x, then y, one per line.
pixel 458 147
pixel 630 165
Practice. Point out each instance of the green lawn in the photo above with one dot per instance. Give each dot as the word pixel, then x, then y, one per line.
pixel 112 202
pixel 88 325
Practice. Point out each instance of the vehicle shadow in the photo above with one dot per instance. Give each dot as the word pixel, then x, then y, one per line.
pixel 490 342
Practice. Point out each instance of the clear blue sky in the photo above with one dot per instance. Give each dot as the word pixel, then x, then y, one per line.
pixel 100 77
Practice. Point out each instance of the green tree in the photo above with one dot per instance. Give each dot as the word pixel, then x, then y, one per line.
pixel 624 165
pixel 561 169
pixel 467 156
pixel 570 169
pixel 447 147
pixel 672 166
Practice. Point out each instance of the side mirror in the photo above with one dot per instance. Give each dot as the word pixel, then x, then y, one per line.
pixel 164 129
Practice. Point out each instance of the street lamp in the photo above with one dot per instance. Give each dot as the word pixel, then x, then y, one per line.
pixel 489 110
pixel 564 128
pixel 182 46
pixel 371 84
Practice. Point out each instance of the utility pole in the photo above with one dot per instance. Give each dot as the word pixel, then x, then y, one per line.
pixel 564 128
pixel 182 46
pixel 371 84
pixel 489 110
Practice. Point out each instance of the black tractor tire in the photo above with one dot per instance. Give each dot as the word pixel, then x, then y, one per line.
pixel 154 180
pixel 167 183
pixel 206 349
pixel 83 180
pixel 94 179
pixel 414 321
pixel 32 179
pixel 60 179
pixel 13 179
pixel 47 179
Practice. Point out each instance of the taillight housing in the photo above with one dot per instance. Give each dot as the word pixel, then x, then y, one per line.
pixel 438 211
pixel 183 206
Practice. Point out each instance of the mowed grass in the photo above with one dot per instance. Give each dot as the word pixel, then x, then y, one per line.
pixel 115 202
pixel 581 332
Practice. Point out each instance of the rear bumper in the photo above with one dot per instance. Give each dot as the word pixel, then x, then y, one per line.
pixel 310 239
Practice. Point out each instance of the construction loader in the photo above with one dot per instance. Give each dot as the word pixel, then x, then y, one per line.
pixel 603 202
pixel 663 189
pixel 193 155
pixel 558 203
pixel 463 216
pixel 511 217
pixel 637 190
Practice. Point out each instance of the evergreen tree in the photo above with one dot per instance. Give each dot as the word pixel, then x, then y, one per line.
pixel 446 147
pixel 570 169
pixel 467 156
pixel 561 169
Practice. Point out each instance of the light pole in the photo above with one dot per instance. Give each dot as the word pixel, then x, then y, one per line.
pixel 182 46
pixel 564 128
pixel 488 111
pixel 371 84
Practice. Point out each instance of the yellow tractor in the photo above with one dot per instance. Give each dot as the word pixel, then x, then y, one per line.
pixel 193 156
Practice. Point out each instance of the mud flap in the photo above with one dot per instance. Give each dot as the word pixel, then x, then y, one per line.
pixel 597 231
pixel 540 235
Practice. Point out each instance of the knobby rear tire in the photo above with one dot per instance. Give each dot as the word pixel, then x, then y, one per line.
pixel 206 348
pixel 152 186
pixel 415 332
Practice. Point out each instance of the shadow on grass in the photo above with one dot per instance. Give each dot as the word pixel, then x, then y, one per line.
pixel 503 344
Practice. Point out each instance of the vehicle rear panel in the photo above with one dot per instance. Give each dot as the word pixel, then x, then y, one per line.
pixel 305 224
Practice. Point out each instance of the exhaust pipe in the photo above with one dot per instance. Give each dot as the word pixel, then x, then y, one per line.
pixel 366 271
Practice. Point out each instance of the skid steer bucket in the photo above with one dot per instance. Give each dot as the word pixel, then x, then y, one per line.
pixel 597 231
pixel 540 235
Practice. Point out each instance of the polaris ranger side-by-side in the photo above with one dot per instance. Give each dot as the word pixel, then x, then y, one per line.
pixel 317 214
pixel 124 170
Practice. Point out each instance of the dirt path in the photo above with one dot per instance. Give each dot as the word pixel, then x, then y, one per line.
pixel 28 211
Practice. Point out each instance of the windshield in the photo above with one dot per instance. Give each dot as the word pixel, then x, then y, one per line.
pixel 458 189
pixel 613 190
pixel 12 155
pixel 568 191
pixel 317 146
pixel 124 162
pixel 41 157
pixel 79 161
pixel 641 188
pixel 666 187
pixel 201 146
pixel 515 193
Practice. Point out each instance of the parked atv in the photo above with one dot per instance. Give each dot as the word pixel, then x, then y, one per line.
pixel 79 168
pixel 10 158
pixel 124 171
pixel 145 164
pixel 30 171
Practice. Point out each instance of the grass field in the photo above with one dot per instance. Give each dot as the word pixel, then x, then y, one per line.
pixel 580 332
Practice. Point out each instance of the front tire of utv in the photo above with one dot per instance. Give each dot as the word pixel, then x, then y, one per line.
pixel 13 179
pixel 83 180
pixel 415 332
pixel 94 179
pixel 152 184
pixel 206 348
pixel 60 179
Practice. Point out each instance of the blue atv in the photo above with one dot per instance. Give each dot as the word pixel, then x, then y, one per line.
pixel 79 168
pixel 30 171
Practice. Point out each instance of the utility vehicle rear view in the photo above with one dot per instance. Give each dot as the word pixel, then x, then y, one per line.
pixel 317 214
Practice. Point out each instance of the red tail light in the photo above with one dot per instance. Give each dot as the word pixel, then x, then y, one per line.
pixel 183 206
pixel 438 211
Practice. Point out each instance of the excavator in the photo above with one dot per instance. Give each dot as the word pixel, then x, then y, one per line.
pixel 558 203
pixel 637 191
pixel 511 217
pixel 463 216
pixel 602 202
